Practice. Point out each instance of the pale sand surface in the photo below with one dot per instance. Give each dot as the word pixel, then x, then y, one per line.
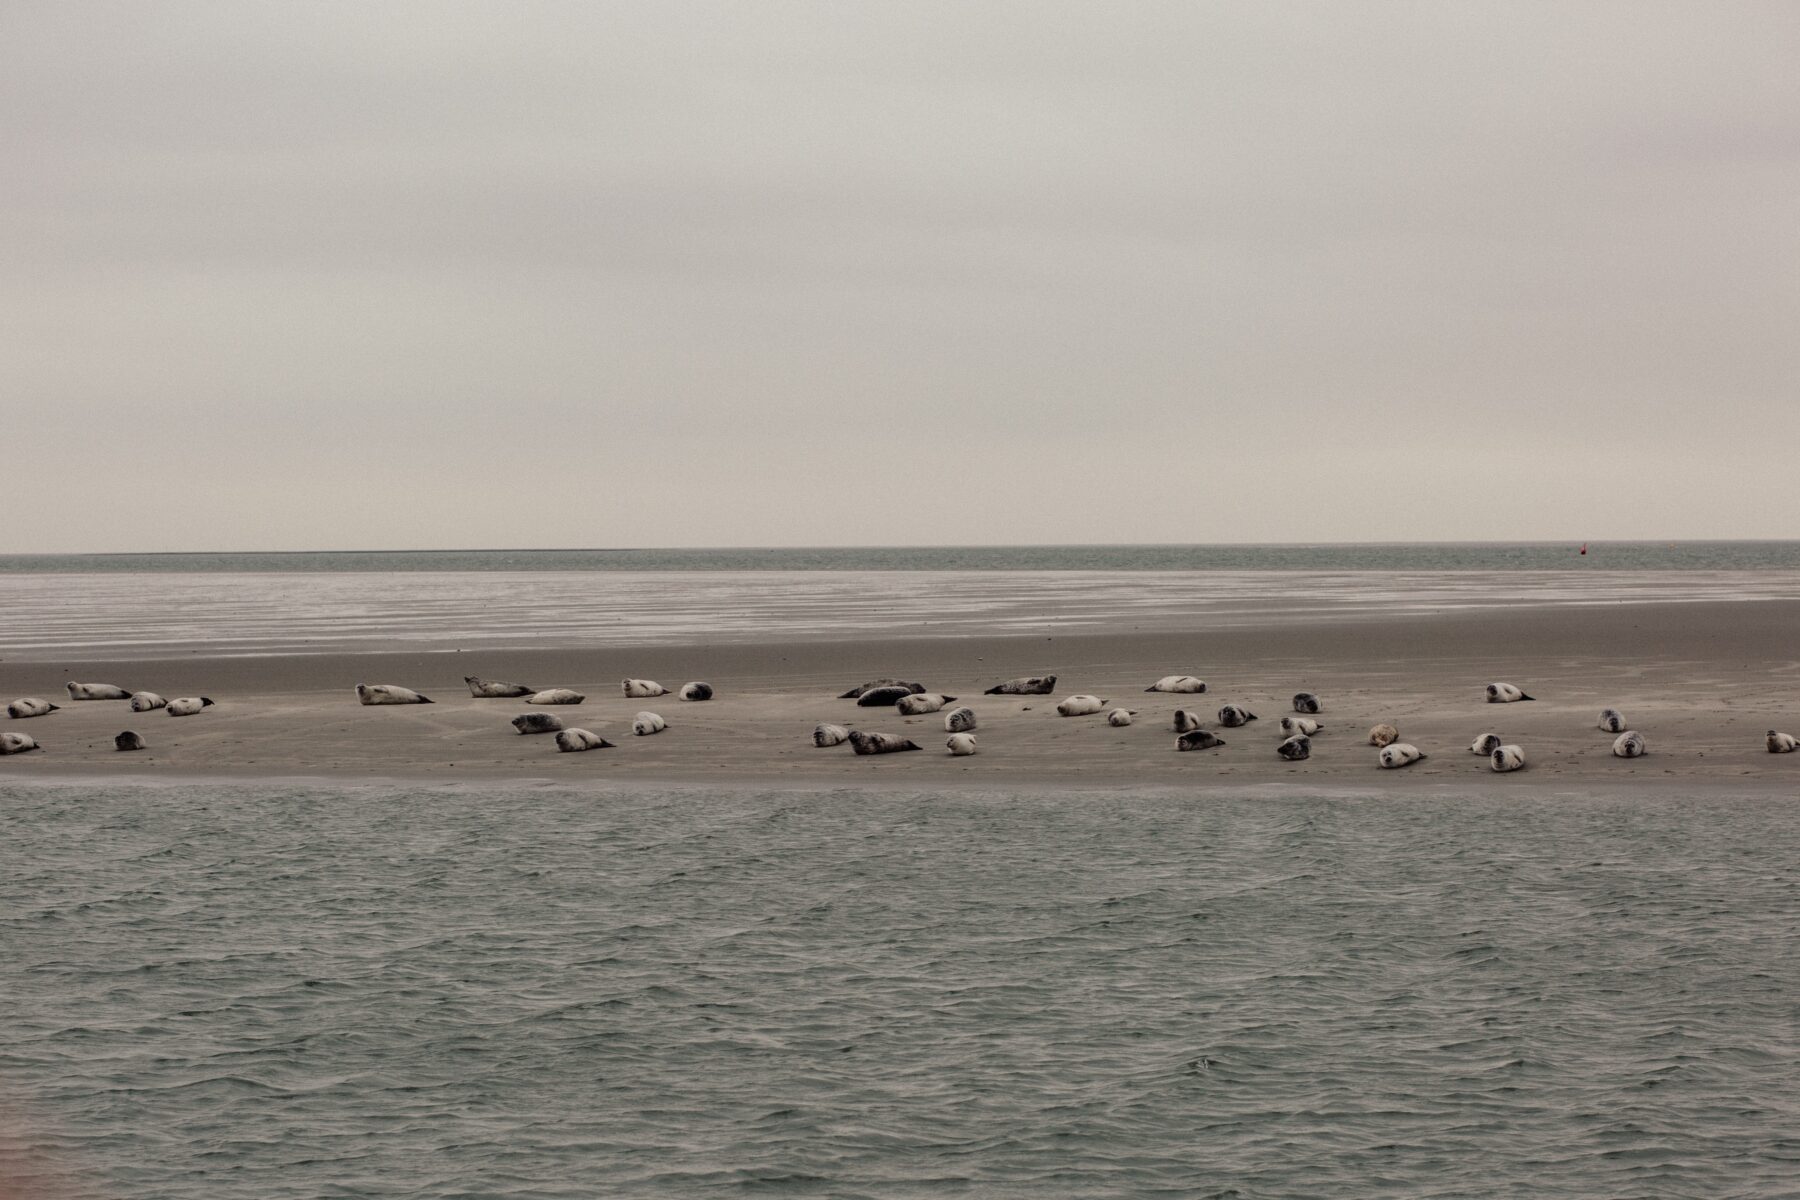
pixel 1701 681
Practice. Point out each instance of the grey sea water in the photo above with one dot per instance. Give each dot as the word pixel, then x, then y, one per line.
pixel 268 990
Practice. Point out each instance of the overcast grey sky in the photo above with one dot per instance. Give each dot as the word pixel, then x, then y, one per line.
pixel 304 275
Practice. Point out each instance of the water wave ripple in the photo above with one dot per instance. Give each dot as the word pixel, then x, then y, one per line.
pixel 279 990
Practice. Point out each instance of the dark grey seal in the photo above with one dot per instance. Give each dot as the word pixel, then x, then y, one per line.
pixel 856 692
pixel 537 723
pixel 1198 739
pixel 879 743
pixel 1028 685
pixel 128 741
pixel 1295 748
pixel 1234 715
pixel 1306 702
pixel 490 689
pixel 884 697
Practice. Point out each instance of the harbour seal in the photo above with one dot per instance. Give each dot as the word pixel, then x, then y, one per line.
pixel 647 723
pixel 920 703
pixel 491 689
pixel 1080 706
pixel 1199 739
pixel 145 701
pixel 884 697
pixel 1306 702
pixel 128 741
pixel 959 720
pixel 1611 721
pixel 1383 735
pixel 1629 744
pixel 187 706
pixel 1486 744
pixel 96 691
pixel 387 693
pixel 1400 754
pixel 696 691
pixel 1781 743
pixel 856 692
pixel 1186 721
pixel 17 743
pixel 960 744
pixel 1186 684
pixel 879 743
pixel 29 706
pixel 642 689
pixel 1120 717
pixel 555 696
pixel 1507 758
pixel 572 740
pixel 1233 716
pixel 1505 693
pixel 1305 726
pixel 537 723
pixel 830 735
pixel 1025 685
pixel 1295 748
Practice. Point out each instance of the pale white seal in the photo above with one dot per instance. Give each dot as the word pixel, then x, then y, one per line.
pixel 1080 706
pixel 387 693
pixel 959 720
pixel 920 703
pixel 859 689
pixel 29 706
pixel 1629 744
pixel 642 689
pixel 696 691
pixel 1485 745
pixel 1400 754
pixel 1198 739
pixel 96 691
pixel 1234 715
pixel 1026 685
pixel 830 735
pixel 1295 748
pixel 1186 684
pixel 1505 693
pixel 128 741
pixel 1120 717
pixel 1507 758
pixel 493 689
pixel 960 744
pixel 571 740
pixel 17 743
pixel 1306 702
pixel 1781 743
pixel 556 696
pixel 879 743
pixel 537 723
pixel 1186 721
pixel 1300 725
pixel 1383 735
pixel 647 723
pixel 1611 721
pixel 187 706
pixel 145 701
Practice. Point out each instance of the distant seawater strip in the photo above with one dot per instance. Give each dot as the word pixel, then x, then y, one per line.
pixel 145 615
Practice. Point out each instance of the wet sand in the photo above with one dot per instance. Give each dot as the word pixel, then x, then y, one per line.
pixel 1702 682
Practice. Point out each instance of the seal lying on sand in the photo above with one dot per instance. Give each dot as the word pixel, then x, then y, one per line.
pixel 920 703
pixel 642 689
pixel 1612 721
pixel 1189 684
pixel 959 720
pixel 1383 735
pixel 570 740
pixel 537 723
pixel 1234 715
pixel 1505 693
pixel 96 691
pixel 145 701
pixel 1198 739
pixel 1119 718
pixel 128 741
pixel 857 691
pixel 1400 754
pixel 830 735
pixel 555 696
pixel 879 743
pixel 960 744
pixel 884 697
pixel 1507 758
pixel 1629 744
pixel 387 693
pixel 187 706
pixel 647 723
pixel 29 706
pixel 1306 702
pixel 696 691
pixel 491 689
pixel 1186 721
pixel 1300 725
pixel 1026 685
pixel 1295 748
pixel 1486 744
pixel 1781 743
pixel 17 743
pixel 1080 706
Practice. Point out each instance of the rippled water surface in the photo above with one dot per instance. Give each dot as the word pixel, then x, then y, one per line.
pixel 299 991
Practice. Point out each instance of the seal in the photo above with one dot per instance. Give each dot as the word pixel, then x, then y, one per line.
pixel 29 706
pixel 960 744
pixel 1486 744
pixel 858 690
pixel 1507 758
pixel 696 691
pixel 387 693
pixel 1629 744
pixel 1198 739
pixel 572 740
pixel 1781 743
pixel 1300 725
pixel 1120 717
pixel 1505 693
pixel 1187 684
pixel 885 697
pixel 1611 721
pixel 1383 735
pixel 1185 721
pixel 959 720
pixel 537 723
pixel 187 706
pixel 920 703
pixel 879 743
pixel 1400 754
pixel 1234 715
pixel 830 735
pixel 647 723
pixel 1080 706
pixel 1025 685
pixel 492 689
pixel 96 691
pixel 1306 702
pixel 145 701
pixel 642 689
pixel 1295 748
pixel 17 743
pixel 555 696
pixel 128 741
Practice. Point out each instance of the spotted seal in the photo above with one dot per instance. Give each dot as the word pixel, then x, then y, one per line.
pixel 1025 685
pixel 879 743
pixel 387 693
pixel 493 689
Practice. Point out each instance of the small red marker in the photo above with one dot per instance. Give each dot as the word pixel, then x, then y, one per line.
pixel 1584 547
